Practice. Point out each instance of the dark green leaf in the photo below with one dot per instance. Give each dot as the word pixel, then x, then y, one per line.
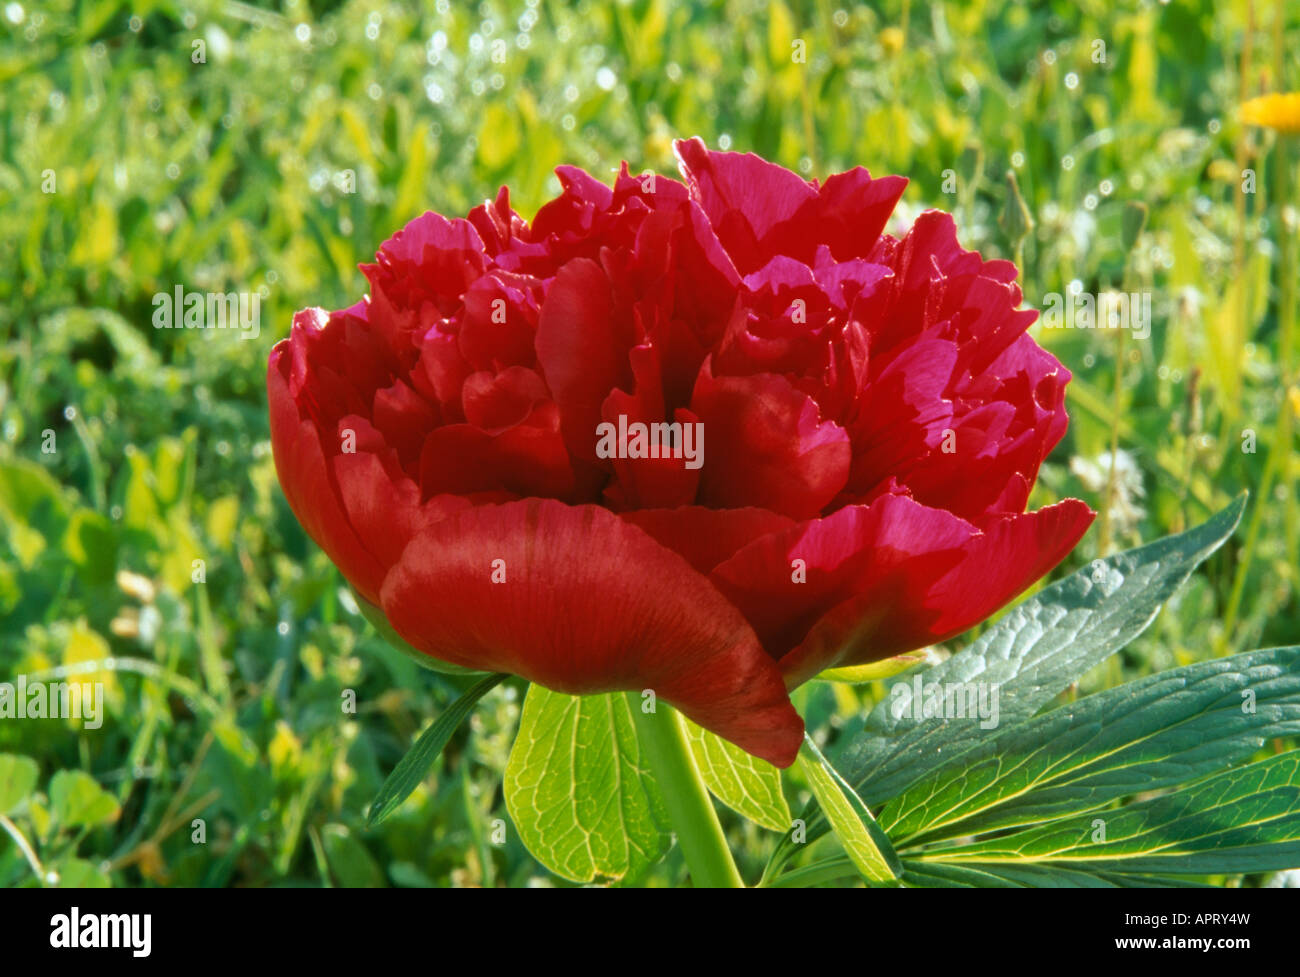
pixel 1242 820
pixel 1168 729
pixel 411 769
pixel 1034 652
pixel 349 861
pixel 1031 654
pixel 932 875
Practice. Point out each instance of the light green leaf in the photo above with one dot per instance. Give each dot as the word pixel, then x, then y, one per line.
pixel 578 790
pixel 749 786
pixel 1161 731
pixel 499 136
pixel 17 779
pixel 77 873
pixel 410 770
pixel 76 800
pixel 866 845
pixel 874 671
pixel 1242 820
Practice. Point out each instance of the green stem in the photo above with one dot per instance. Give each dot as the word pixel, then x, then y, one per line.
pixel 1103 544
pixel 1286 297
pixel 1286 344
pixel 1252 542
pixel 699 833
pixel 92 458
pixel 25 847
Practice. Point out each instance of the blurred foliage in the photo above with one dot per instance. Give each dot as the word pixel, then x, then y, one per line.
pixel 223 146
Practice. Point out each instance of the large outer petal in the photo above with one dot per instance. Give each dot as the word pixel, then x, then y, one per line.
pixel 590 603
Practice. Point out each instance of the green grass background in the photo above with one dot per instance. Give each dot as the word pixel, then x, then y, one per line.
pixel 224 699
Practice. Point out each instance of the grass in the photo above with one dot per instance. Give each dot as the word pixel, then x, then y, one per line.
pixel 308 132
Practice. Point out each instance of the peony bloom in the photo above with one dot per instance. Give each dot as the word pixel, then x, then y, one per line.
pixel 857 422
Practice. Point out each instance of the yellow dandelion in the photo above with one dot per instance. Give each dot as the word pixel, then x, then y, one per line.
pixel 1280 111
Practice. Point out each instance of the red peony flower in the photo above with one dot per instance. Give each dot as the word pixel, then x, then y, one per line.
pixel 504 447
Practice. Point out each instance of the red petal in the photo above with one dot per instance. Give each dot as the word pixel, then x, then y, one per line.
pixel 404 417
pixel 582 351
pixel 527 459
pixel 760 209
pixel 497 401
pixel 766 446
pixel 852 211
pixel 868 552
pixel 706 537
pixel 995 566
pixel 308 484
pixel 589 604
pixel 743 195
pixel 888 578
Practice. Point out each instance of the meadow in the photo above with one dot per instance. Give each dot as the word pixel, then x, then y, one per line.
pixel 266 150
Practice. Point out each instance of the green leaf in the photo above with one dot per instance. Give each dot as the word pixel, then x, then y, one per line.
pixel 1242 820
pixel 17 779
pixel 349 861
pixel 76 800
pixel 77 873
pixel 866 845
pixel 749 786
pixel 578 789
pixel 411 769
pixel 1034 652
pixel 91 543
pixel 932 875
pixel 1168 729
pixel 874 671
